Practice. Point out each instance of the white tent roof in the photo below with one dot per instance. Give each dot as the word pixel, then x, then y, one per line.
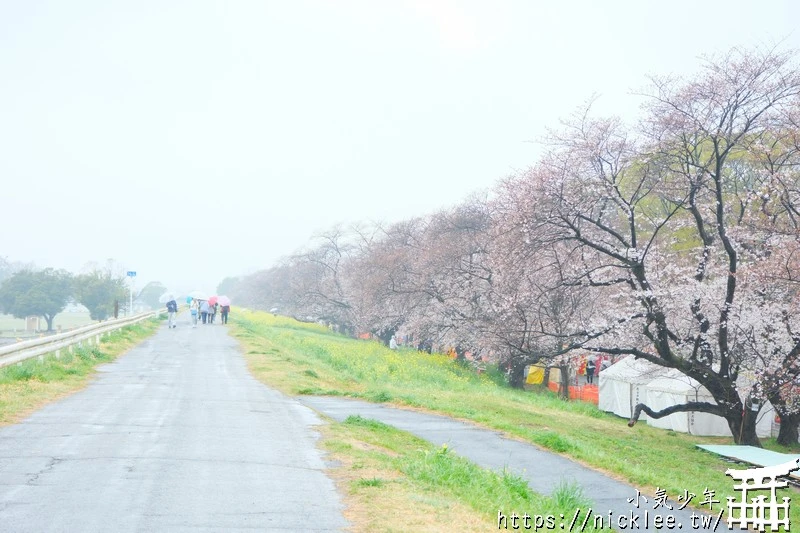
pixel 676 388
pixel 621 385
pixel 676 381
pixel 633 370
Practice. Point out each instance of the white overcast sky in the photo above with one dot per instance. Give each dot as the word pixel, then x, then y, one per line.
pixel 190 141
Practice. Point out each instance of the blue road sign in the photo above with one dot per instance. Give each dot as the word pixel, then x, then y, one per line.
pixel 131 273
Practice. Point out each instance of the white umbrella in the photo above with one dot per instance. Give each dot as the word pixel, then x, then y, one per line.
pixel 167 296
pixel 198 295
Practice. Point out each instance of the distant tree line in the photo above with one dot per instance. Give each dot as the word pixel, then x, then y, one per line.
pixel 27 291
pixel 673 240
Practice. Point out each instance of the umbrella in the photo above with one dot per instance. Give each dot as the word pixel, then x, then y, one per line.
pixel 198 295
pixel 212 300
pixel 166 297
pixel 224 300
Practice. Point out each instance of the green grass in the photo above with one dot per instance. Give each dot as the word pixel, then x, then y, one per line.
pixel 281 351
pixel 437 476
pixel 371 482
pixel 34 382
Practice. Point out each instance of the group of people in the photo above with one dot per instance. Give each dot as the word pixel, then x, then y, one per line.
pixel 199 310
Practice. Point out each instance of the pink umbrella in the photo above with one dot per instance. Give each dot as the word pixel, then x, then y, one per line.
pixel 212 300
pixel 224 300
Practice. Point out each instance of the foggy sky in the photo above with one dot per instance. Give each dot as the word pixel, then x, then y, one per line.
pixel 190 141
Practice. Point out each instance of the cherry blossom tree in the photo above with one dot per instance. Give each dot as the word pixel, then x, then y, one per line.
pixel 453 276
pixel 380 278
pixel 675 241
pixel 307 285
pixel 661 226
pixel 426 277
pixel 530 308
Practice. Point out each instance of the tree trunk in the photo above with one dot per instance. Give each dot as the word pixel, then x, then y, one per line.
pixel 788 433
pixel 49 319
pixel 741 422
pixel 743 428
pixel 563 389
pixel 516 372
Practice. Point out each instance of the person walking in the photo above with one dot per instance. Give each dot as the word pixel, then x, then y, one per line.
pixel 225 309
pixel 193 309
pixel 204 310
pixel 172 311
pixel 591 365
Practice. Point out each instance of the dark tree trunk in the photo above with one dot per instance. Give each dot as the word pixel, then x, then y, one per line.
pixel 743 428
pixel 788 433
pixel 516 372
pixel 49 319
pixel 741 422
pixel 738 414
pixel 563 389
pixel 789 421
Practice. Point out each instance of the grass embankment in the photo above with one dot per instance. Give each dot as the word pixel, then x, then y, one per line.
pixel 307 359
pixel 394 481
pixel 33 383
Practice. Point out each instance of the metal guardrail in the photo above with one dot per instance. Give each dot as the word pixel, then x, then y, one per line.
pixel 20 351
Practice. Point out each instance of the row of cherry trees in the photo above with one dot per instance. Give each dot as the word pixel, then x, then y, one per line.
pixel 675 241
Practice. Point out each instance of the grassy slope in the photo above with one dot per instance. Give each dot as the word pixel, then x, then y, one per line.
pixel 306 359
pixel 394 481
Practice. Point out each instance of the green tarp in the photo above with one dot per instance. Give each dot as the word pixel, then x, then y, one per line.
pixel 751 455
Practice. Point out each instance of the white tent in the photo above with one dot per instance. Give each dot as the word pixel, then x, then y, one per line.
pixel 676 388
pixel 765 421
pixel 621 385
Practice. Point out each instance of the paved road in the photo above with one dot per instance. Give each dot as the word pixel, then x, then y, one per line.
pixel 173 436
pixel 543 471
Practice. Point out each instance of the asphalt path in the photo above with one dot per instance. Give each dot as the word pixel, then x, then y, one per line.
pixel 175 435
pixel 616 503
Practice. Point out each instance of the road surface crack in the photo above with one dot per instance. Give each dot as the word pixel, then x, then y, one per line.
pixel 47 468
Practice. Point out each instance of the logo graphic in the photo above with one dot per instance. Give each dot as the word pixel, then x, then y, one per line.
pixel 757 511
